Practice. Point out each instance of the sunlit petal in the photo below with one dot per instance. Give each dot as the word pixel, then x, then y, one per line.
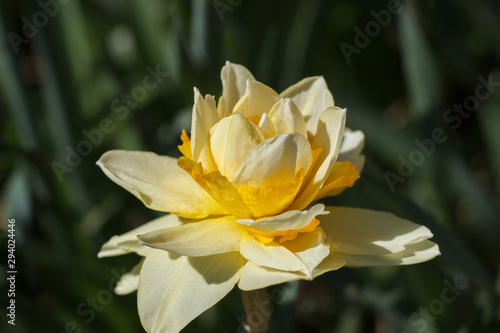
pixel 204 118
pixel 232 139
pixel 196 239
pixel 159 183
pixel 413 254
pixel 328 138
pixel 128 242
pixel 256 277
pixel 274 161
pixel 234 83
pixel 272 255
pixel 312 97
pixel 369 232
pixel 173 290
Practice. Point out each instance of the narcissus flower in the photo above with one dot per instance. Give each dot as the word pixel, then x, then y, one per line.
pixel 242 202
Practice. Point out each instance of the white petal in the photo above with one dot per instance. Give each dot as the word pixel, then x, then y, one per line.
pixel 272 255
pixel 234 83
pixel 266 127
pixel 413 254
pixel 204 117
pixel 369 232
pixel 287 118
pixel 328 264
pixel 128 242
pixel 256 277
pixel 312 97
pixel 351 147
pixel 260 100
pixel 195 239
pixel 310 247
pixel 129 282
pixel 173 290
pixel 159 183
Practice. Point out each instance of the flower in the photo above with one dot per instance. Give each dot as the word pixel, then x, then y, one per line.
pixel 241 202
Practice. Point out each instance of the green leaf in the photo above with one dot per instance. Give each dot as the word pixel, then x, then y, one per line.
pixel 422 77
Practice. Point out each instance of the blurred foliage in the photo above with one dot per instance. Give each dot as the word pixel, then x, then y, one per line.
pixel 72 78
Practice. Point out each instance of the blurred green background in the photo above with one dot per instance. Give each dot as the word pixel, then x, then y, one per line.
pixel 72 79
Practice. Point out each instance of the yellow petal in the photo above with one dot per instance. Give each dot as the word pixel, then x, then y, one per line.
pixel 260 99
pixel 231 140
pixel 173 290
pixel 128 242
pixel 203 238
pixel 234 83
pixel 269 199
pixel 185 148
pixel 204 118
pixel 343 175
pixel 287 118
pixel 328 137
pixel 158 182
pixel 310 247
pixel 369 232
pixel 351 147
pixel 413 254
pixel 256 277
pixel 217 186
pixel 312 97
pixel 274 161
pixel 291 220
pixel 272 255
pixel 129 282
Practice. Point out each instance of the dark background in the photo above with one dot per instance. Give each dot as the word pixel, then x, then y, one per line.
pixel 71 73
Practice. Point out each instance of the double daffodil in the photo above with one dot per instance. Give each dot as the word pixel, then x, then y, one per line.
pixel 242 202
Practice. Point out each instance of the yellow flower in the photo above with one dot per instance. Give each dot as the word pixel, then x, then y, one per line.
pixel 240 202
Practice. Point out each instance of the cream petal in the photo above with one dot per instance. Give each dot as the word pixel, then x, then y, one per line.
pixel 173 290
pixel 128 242
pixel 369 232
pixel 413 254
pixel 195 239
pixel 231 140
pixel 266 127
pixel 291 220
pixel 310 247
pixel 351 147
pixel 275 160
pixel 328 137
pixel 328 264
pixel 129 282
pixel 256 277
pixel 241 105
pixel 204 117
pixel 312 97
pixel 272 255
pixel 287 118
pixel 260 99
pixel 234 84
pixel 159 183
